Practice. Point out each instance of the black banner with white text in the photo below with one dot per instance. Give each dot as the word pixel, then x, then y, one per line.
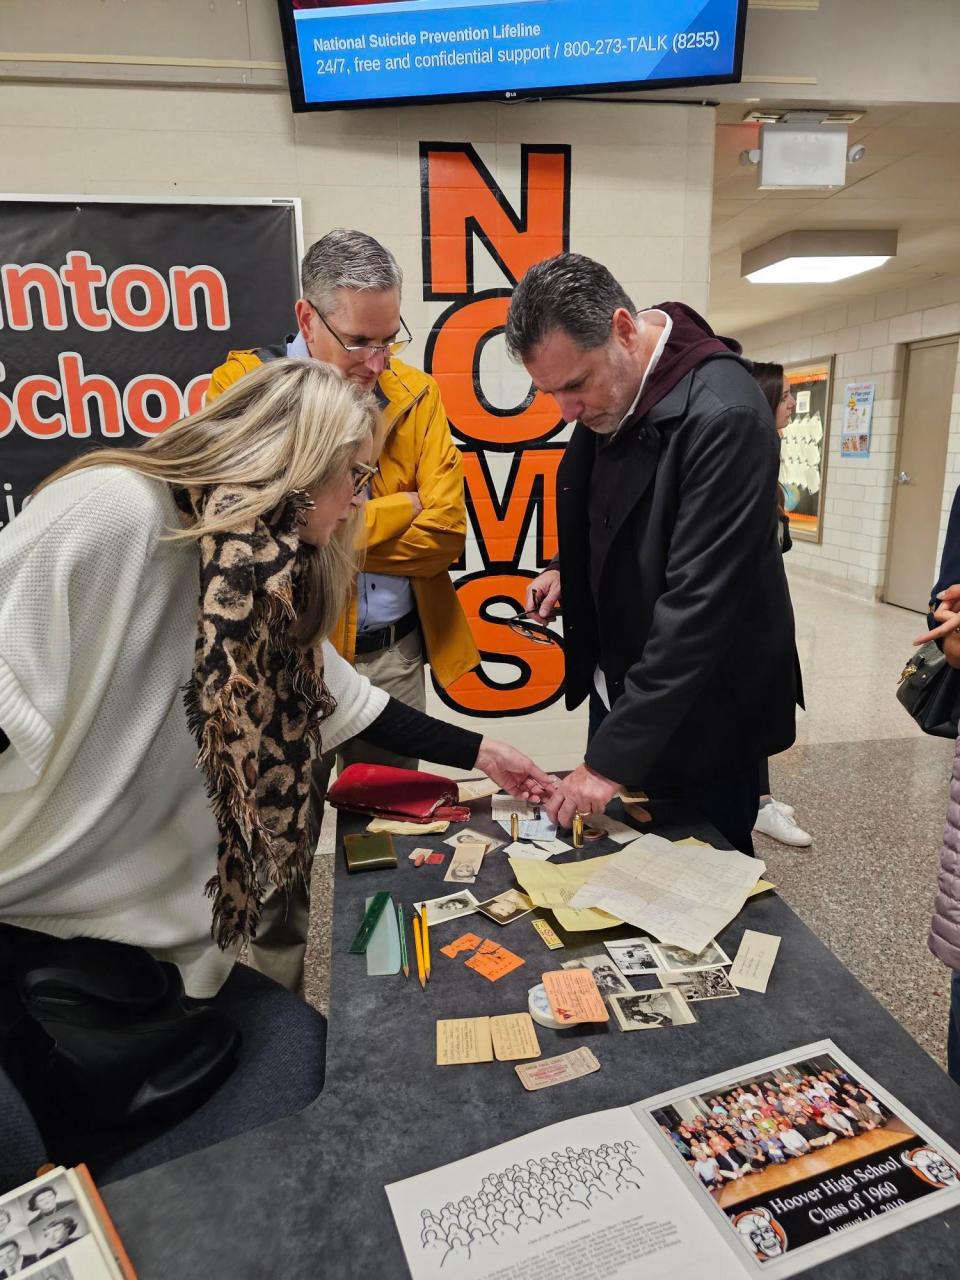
pixel 113 314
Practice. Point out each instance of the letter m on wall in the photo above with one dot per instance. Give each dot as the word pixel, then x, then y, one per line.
pixel 461 200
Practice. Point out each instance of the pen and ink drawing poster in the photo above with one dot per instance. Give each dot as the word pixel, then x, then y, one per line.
pixel 767 1170
pixel 803 452
pixel 590 1196
pixel 857 419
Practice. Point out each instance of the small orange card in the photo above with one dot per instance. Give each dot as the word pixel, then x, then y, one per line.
pixel 466 942
pixel 494 962
pixel 574 996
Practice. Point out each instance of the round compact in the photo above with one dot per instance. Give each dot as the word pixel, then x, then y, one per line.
pixel 540 1010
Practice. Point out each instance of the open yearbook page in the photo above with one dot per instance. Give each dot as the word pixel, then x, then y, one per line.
pixel 765 1170
pixel 57 1228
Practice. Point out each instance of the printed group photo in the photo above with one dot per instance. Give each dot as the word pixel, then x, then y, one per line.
pixel 798 1152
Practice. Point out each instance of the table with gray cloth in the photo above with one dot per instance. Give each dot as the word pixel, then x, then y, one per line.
pixel 305 1197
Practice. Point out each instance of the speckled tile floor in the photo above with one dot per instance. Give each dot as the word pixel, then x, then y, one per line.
pixel 869 787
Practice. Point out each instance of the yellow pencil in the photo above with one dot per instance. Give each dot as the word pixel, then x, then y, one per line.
pixel 425 934
pixel 418 947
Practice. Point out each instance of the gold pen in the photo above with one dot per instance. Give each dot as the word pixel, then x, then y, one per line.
pixel 514 827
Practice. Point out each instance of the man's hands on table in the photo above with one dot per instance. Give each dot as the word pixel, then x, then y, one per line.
pixel 583 791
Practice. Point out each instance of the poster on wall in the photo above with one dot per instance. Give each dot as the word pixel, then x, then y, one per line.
pixel 857 419
pixel 113 313
pixel 803 453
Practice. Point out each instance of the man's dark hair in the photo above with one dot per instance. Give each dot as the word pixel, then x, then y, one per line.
pixel 569 292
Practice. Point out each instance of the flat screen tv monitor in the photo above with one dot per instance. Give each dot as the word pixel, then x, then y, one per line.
pixel 346 53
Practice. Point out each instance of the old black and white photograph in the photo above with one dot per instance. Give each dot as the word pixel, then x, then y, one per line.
pixel 677 960
pixel 648 1010
pixel 633 955
pixel 607 976
pixel 701 984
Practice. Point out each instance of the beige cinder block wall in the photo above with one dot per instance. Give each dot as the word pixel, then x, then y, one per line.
pixel 637 195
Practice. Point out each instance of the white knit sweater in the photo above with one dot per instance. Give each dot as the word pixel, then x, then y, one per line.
pixel 105 827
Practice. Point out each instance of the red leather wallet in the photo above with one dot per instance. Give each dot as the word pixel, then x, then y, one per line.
pixel 405 794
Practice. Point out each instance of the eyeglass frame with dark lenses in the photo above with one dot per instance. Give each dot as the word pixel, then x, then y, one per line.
pixel 537 632
pixel 372 349
pixel 362 473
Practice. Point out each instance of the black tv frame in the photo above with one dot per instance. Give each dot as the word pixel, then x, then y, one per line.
pixel 299 104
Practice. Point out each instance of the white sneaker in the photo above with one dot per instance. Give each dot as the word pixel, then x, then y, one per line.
pixel 786 809
pixel 773 822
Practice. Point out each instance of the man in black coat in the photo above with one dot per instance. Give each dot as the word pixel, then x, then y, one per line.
pixel 677 616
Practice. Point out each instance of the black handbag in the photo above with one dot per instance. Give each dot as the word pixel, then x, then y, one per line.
pixel 102 1043
pixel 930 690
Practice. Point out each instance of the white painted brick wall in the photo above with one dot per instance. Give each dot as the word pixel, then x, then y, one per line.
pixel 868 338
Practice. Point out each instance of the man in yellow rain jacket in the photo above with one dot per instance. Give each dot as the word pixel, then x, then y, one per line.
pixel 404 608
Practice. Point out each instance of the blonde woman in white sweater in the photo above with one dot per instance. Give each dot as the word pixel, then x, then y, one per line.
pixel 111 676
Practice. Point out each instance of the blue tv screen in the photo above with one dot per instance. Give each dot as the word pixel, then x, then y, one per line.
pixel 346 53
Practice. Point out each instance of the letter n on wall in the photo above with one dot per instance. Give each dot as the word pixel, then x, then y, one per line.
pixel 464 211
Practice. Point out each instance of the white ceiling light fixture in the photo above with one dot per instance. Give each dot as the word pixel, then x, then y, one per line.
pixel 817 257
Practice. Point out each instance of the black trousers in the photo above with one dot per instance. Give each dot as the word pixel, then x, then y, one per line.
pixel 764 777
pixel 729 802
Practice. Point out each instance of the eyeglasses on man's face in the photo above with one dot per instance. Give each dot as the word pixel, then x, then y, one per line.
pixel 366 350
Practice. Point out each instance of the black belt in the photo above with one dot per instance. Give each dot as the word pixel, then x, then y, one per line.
pixel 386 637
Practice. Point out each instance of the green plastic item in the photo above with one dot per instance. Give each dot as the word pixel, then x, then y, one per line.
pixel 374 911
pixel 383 948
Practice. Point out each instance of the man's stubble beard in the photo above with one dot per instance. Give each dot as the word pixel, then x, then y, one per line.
pixel 623 390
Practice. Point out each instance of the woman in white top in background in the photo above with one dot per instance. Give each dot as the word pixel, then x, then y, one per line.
pixel 111 677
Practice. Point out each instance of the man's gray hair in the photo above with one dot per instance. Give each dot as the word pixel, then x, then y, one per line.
pixel 569 292
pixel 345 259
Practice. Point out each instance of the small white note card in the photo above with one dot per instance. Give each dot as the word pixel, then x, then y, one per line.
pixel 751 969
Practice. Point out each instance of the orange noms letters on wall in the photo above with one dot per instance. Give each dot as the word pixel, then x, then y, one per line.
pixel 510 464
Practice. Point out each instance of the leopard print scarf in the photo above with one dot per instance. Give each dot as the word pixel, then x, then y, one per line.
pixel 254 704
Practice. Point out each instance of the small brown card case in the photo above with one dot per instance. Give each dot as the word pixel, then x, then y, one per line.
pixel 369 851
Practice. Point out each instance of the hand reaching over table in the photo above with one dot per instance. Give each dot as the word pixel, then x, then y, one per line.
pixel 514 772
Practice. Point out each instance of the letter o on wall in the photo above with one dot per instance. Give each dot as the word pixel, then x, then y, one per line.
pixel 139 398
pixel 452 356
pixel 138 298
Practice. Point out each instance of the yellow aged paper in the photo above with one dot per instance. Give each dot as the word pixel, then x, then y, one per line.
pixel 754 961
pixel 761 887
pixel 514 1036
pixel 461 1040
pixel 553 885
